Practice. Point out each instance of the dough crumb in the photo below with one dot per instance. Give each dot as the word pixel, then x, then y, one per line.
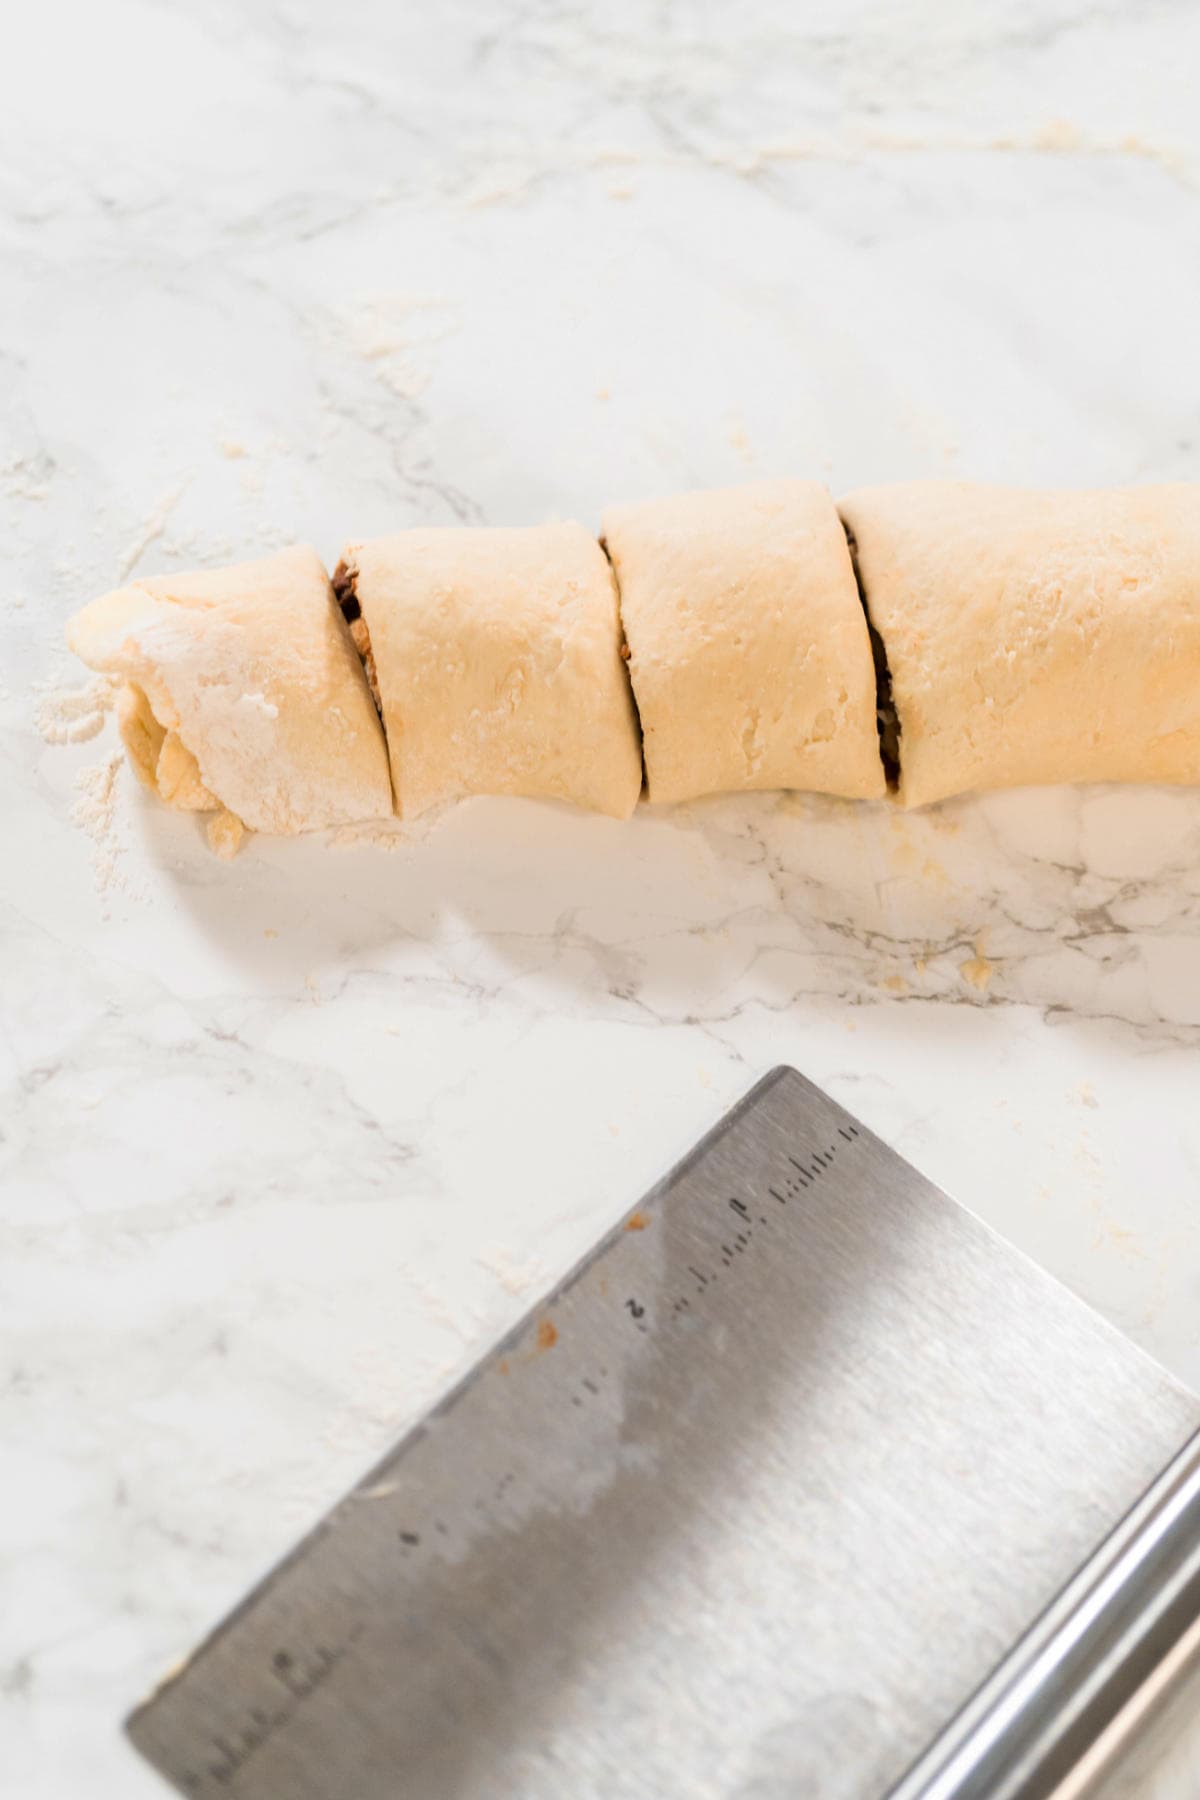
pixel 1086 1094
pixel 977 969
pixel 225 834
pixel 76 715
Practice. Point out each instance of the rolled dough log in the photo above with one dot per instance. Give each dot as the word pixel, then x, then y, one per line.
pixel 243 692
pixel 498 660
pixel 1035 636
pixel 749 653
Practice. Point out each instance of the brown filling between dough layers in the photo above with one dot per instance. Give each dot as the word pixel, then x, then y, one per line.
pixel 627 658
pixel 887 719
pixel 345 576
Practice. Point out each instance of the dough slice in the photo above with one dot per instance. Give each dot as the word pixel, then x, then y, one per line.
pixel 244 692
pixel 1035 636
pixel 749 652
pixel 497 655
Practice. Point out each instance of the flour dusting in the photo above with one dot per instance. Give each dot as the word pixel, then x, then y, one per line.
pixel 397 334
pixel 374 834
pixel 76 715
pixel 95 811
pixel 150 532
pixel 514 1276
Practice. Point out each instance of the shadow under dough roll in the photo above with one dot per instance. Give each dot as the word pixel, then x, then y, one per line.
pixel 749 652
pixel 497 661
pixel 243 692
pixel 1032 636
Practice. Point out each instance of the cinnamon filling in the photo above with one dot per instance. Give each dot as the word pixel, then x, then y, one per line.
pixel 345 576
pixel 887 719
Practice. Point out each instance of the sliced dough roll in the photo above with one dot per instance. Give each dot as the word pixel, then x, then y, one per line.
pixel 1035 637
pixel 749 652
pixel 243 692
pixel 497 657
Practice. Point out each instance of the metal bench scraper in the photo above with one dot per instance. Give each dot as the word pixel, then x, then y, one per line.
pixel 799 1464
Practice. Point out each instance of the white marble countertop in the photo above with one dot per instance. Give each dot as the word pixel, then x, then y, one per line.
pixel 285 1143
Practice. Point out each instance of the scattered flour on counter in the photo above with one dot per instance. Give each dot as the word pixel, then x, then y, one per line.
pixel 497 191
pixel 207 548
pixel 150 532
pixel 28 477
pixel 398 335
pixel 95 811
pixel 1087 1159
pixel 464 1320
pixel 388 834
pixel 373 834
pixel 76 715
pixel 514 1277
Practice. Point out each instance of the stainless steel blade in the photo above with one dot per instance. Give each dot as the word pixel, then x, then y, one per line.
pixel 747 1508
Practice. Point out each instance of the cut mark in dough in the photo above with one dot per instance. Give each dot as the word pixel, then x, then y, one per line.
pixel 886 717
pixel 626 658
pixel 345 577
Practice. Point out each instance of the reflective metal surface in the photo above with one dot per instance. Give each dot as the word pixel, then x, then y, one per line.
pixel 1058 1711
pixel 1161 1761
pixel 747 1508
